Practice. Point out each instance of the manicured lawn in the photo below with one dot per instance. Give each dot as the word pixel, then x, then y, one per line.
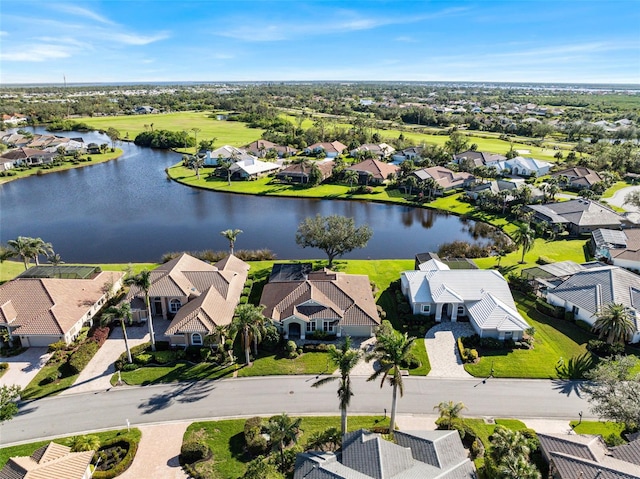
pixel 47 382
pixel 227 132
pixel 420 351
pixel 226 439
pixel 604 429
pixel 554 339
pixel 10 269
pixel 274 365
pixel 609 192
pixel 133 435
pixel 95 159
pixel 180 371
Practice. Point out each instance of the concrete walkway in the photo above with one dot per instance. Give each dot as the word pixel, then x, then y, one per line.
pixel 442 349
pixel 24 367
pixel 619 196
pixel 158 453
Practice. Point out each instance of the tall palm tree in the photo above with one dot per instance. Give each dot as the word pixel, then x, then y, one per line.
pixel 449 411
pixel 196 164
pixel 142 281
pixel 345 358
pixel 195 131
pixel 391 350
pixel 614 323
pixel 22 246
pixel 232 236
pixel 123 312
pixel 283 430
pixel 524 236
pixel 350 176
pixel 225 165
pixel 507 443
pixel 249 321
pixel 39 247
pixel 55 260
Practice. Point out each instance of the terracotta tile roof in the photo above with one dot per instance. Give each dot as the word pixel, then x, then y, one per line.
pixel 325 295
pixel 379 169
pixel 51 306
pixel 53 461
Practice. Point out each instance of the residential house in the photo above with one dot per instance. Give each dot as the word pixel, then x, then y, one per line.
pixel 27 156
pixel 372 150
pixel 228 153
pixel 586 292
pixel 620 248
pixel 521 166
pixel 445 178
pixel 579 216
pixel 252 168
pixel 93 149
pixel 478 158
pixel 412 153
pixel 15 140
pixel 481 296
pixel 41 311
pixel 214 306
pixel 185 279
pixel 413 454
pixel 336 303
pixel 331 149
pixel 505 184
pixel 374 172
pixel 584 456
pixel 14 120
pixel 144 110
pixel 53 461
pixel 260 148
pixel 299 172
pixel 578 177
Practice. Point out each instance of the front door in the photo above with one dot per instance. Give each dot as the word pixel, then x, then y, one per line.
pixel 294 331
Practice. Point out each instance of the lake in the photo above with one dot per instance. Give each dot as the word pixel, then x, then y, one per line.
pixel 127 210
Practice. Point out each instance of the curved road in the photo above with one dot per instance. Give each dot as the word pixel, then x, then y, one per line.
pixel 109 409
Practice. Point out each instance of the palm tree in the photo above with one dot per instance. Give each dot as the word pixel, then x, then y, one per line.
pixel 232 236
pixel 39 247
pixel 55 260
pixel 225 165
pixel 195 131
pixel 22 246
pixel 410 182
pixel 351 176
pixel 519 467
pixel 143 281
pixel 391 350
pixel 507 443
pixel 345 359
pixel 84 443
pixel 449 411
pixel 123 312
pixel 524 237
pixel 196 164
pixel 248 320
pixel 283 431
pixel 614 323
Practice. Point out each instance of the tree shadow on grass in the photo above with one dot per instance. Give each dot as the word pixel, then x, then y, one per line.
pixel 237 449
pixel 183 393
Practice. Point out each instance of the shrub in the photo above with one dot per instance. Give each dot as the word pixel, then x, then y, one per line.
pixel 128 367
pixel 472 356
pixel 549 309
pixel 100 335
pixel 255 441
pixel 315 348
pixel 193 451
pixel 122 465
pixel 57 346
pixel 271 338
pixel 163 346
pixel 291 349
pixel 604 349
pixel 544 260
pixel 411 362
pixel 143 359
pixel 4 366
pixel 462 350
pixel 164 357
pixel 81 357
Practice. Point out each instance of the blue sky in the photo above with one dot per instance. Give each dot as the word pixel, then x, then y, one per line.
pixel 239 40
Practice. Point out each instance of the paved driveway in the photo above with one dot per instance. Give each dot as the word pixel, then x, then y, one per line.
pixel 442 349
pixel 618 198
pixel 24 367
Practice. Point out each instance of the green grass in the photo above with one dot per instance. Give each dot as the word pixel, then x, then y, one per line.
pixel 47 382
pixel 554 339
pixel 10 269
pixel 37 170
pixel 227 132
pixel 133 435
pixel 609 192
pixel 420 352
pixel 180 371
pixel 604 429
pixel 274 365
pixel 226 439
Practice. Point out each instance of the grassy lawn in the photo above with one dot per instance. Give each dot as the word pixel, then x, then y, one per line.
pixel 604 429
pixel 133 435
pixel 95 159
pixel 554 339
pixel 420 351
pixel 269 364
pixel 226 439
pixel 50 380
pixel 180 371
pixel 226 132
pixel 609 192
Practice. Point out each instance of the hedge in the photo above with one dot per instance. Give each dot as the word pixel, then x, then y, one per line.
pixel 124 464
pixel 81 357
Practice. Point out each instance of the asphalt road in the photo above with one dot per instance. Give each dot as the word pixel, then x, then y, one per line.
pixel 72 414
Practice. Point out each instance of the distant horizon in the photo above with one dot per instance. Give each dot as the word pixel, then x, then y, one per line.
pixel 112 41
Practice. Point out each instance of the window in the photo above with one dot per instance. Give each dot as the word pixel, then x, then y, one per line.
pixel 575 310
pixel 508 335
pixel 460 309
pixel 426 308
pixel 174 305
pixel 311 326
pixel 328 327
pixel 196 339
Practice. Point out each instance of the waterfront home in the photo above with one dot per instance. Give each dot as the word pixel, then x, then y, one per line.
pixel 480 296
pixel 260 148
pixel 521 166
pixel 578 216
pixel 330 149
pixel 477 158
pixel 27 156
pixel 586 292
pixel 374 172
pixel 299 172
pixel 53 461
pixel 228 153
pixel 14 120
pixel 208 294
pixel 367 455
pixel 252 168
pixel 579 177
pixel 412 153
pixel 444 177
pixel 372 150
pixel 334 303
pixel 43 310
pixel 620 248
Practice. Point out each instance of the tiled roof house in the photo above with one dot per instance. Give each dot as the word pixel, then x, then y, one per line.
pixel 53 461
pixel 374 171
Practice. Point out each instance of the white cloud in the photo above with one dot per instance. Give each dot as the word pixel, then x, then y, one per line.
pixel 3 33
pixel 36 53
pixel 83 12
pixel 132 39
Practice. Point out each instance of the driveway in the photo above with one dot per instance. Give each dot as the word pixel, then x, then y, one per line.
pixel 442 349
pixel 24 367
pixel 618 198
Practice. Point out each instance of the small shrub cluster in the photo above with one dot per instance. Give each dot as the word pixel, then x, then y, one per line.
pixel 463 249
pixel 81 356
pixel 256 443
pixel 291 349
pixel 57 346
pixel 123 465
pixel 315 348
pixel 492 344
pixel 99 335
pixel 549 309
pixel 411 362
pixel 604 349
pixel 194 451
pixel 321 335
pixel 519 283
pixel 4 366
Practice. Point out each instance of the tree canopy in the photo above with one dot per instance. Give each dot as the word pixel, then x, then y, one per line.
pixel 334 234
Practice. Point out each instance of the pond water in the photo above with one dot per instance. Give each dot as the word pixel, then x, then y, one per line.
pixel 127 210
